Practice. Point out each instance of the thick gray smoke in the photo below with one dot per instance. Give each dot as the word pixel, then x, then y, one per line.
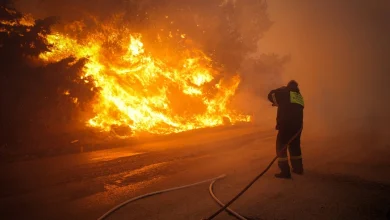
pixel 340 56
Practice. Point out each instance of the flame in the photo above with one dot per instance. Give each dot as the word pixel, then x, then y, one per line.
pixel 26 20
pixel 143 91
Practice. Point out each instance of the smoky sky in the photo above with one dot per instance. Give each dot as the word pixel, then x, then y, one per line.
pixel 340 56
pixel 227 30
pixel 69 9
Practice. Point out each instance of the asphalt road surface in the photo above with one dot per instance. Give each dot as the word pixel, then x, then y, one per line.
pixel 347 177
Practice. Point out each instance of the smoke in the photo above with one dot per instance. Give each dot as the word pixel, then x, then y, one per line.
pixel 339 55
pixel 227 30
pixel 69 9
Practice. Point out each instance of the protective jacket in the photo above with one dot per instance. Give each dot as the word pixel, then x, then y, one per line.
pixel 290 106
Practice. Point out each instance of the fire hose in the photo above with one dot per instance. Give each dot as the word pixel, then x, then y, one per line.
pixel 255 179
pixel 224 207
pixel 155 193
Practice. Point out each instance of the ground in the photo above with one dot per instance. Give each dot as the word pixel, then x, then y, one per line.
pixel 347 177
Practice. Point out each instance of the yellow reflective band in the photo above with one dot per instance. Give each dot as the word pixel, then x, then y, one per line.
pixel 296 98
pixel 274 99
pixel 281 159
pixel 296 157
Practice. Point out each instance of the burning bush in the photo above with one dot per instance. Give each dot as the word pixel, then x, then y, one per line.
pixel 150 66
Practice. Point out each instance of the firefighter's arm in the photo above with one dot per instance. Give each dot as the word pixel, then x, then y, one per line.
pixel 274 96
pixel 270 96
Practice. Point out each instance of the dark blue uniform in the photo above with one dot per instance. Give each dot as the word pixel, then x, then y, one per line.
pixel 289 121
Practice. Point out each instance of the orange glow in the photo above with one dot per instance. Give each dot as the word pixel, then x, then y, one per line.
pixel 143 91
pixel 26 20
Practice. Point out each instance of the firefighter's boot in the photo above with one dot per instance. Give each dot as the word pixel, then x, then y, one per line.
pixel 297 165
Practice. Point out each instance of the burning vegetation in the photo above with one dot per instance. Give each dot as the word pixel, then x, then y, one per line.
pixel 154 67
pixel 141 90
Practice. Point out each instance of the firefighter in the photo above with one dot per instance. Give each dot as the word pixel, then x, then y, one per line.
pixel 289 122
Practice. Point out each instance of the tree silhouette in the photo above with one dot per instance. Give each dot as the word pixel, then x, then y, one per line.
pixel 33 104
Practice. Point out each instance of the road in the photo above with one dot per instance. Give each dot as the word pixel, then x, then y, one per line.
pixel 343 179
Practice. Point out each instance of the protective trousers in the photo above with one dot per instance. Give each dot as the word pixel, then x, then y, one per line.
pixel 284 135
